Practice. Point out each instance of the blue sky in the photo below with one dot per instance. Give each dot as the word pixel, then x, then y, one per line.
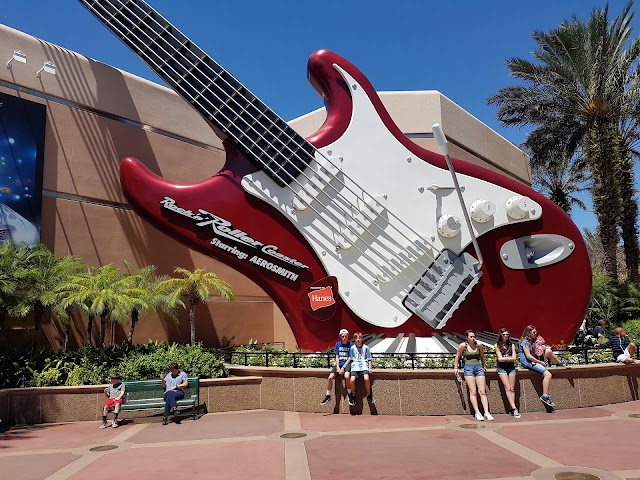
pixel 457 47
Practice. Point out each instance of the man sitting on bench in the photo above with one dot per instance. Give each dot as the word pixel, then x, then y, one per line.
pixel 622 348
pixel 174 384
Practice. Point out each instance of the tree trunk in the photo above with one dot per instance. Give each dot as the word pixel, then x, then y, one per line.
pixel 103 328
pixel 67 330
pixel 601 155
pixel 134 321
pixel 113 331
pixel 90 329
pixel 192 323
pixel 38 312
pixel 629 218
pixel 67 333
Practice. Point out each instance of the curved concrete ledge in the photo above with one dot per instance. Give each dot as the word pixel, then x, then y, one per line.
pixel 436 392
pixel 398 392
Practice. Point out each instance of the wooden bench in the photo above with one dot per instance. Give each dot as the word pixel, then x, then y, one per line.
pixel 147 395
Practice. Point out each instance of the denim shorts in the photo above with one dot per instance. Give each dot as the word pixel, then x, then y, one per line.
pixel 346 370
pixel 502 371
pixel 359 374
pixel 536 367
pixel 473 370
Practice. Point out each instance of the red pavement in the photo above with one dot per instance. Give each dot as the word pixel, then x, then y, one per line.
pixel 248 445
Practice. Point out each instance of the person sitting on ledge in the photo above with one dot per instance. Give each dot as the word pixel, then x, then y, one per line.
pixel 343 346
pixel 622 348
pixel 529 361
pixel 360 362
pixel 173 383
pixel 543 352
pixel 599 331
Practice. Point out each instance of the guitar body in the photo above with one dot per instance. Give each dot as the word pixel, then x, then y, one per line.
pixel 362 267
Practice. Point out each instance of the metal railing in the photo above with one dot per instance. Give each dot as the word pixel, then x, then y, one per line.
pixel 413 361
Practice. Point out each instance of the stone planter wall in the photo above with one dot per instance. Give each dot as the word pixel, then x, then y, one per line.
pixel 397 392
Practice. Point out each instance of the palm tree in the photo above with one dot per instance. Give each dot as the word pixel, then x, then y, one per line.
pixel 605 301
pixel 596 254
pixel 154 294
pixel 560 179
pixel 582 96
pixel 38 273
pixel 106 293
pixel 195 286
pixel 8 282
pixel 72 295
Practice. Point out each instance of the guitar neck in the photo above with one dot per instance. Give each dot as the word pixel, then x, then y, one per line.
pixel 229 106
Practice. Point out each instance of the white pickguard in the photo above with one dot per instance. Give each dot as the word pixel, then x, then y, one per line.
pixel 377 257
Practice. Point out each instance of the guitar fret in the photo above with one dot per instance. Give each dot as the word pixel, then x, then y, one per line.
pixel 229 105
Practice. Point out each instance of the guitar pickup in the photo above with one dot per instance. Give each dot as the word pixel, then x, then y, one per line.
pixel 313 182
pixel 355 226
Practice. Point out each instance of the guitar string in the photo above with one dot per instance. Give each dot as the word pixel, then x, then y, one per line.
pixel 347 214
pixel 412 257
pixel 374 262
pixel 250 104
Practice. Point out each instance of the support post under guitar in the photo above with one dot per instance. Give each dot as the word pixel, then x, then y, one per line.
pixel 443 287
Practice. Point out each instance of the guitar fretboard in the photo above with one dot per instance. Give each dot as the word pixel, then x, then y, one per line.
pixel 249 124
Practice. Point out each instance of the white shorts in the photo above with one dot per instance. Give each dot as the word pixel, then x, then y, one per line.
pixel 623 357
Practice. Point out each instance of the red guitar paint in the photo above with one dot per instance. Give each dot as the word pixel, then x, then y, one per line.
pixel 247 216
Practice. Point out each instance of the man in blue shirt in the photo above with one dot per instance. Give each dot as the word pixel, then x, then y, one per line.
pixel 174 384
pixel 339 368
pixel 622 348
pixel 599 331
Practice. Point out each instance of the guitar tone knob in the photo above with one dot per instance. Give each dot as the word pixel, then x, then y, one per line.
pixel 518 206
pixel 482 210
pixel 449 226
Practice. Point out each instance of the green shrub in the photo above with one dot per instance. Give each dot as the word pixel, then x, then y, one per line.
pixel 632 328
pixel 199 362
pixel 141 366
pixel 314 361
pixel 92 365
pixel 194 360
pixel 87 375
pixel 46 378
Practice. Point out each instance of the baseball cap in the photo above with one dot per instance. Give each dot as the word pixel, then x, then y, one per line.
pixel 344 331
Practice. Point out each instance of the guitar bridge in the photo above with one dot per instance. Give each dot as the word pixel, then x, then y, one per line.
pixel 443 287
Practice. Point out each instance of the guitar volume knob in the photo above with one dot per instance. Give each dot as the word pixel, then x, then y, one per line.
pixel 518 206
pixel 449 226
pixel 482 210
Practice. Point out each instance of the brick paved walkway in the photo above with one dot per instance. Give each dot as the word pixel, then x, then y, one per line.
pixel 241 445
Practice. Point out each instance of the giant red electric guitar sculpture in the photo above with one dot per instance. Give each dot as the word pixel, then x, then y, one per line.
pixel 355 227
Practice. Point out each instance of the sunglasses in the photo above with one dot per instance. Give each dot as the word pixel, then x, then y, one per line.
pixel 505 334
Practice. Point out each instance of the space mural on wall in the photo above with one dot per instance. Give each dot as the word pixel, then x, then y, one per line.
pixel 22 130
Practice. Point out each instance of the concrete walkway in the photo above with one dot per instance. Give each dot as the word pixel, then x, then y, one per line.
pixel 262 444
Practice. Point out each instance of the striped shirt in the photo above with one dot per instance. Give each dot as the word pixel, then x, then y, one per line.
pixel 617 345
pixel 360 357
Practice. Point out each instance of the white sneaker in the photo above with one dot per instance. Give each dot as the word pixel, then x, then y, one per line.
pixel 479 416
pixel 488 416
pixel 516 413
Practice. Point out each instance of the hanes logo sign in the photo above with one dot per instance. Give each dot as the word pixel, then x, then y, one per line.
pixel 320 300
pixel 321 297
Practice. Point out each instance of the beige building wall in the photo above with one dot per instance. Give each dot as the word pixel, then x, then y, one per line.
pixel 97 115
